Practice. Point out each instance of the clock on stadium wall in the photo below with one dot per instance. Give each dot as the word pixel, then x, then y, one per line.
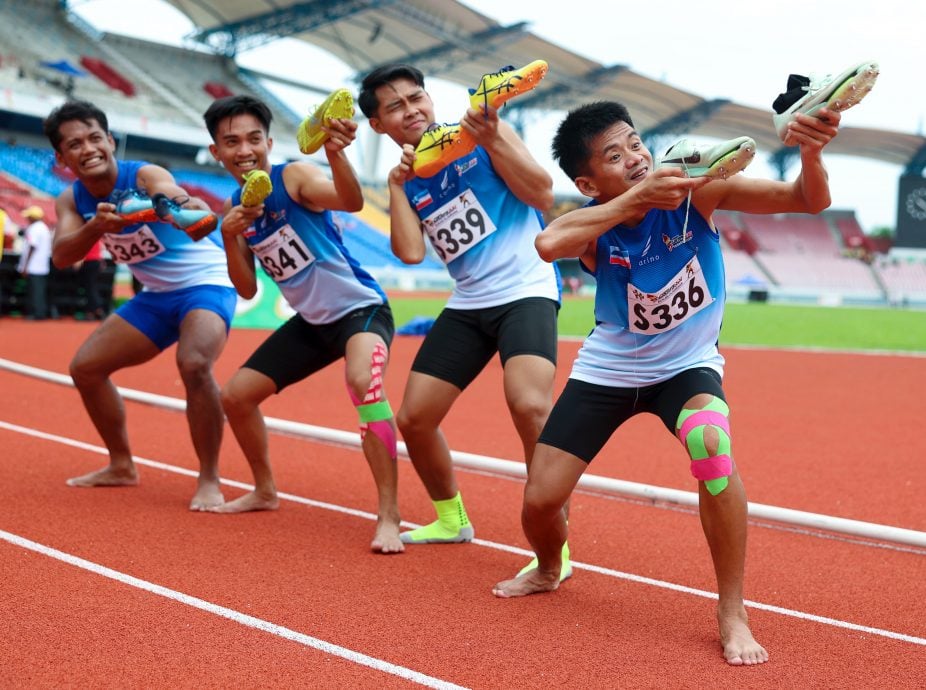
pixel 916 203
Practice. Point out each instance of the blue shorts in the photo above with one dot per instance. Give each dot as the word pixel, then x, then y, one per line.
pixel 159 314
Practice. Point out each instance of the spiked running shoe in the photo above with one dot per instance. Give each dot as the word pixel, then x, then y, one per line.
pixel 338 105
pixel 705 160
pixel 256 188
pixel 810 95
pixel 496 88
pixel 195 222
pixel 439 147
pixel 134 206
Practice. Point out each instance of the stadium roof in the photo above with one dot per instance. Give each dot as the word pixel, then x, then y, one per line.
pixel 451 41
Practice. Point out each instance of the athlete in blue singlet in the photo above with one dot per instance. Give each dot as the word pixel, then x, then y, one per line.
pixel 341 312
pixel 648 239
pixel 187 296
pixel 481 214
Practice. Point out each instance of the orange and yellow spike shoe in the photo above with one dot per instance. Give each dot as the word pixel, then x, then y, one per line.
pixel 310 136
pixel 256 188
pixel 439 147
pixel 498 87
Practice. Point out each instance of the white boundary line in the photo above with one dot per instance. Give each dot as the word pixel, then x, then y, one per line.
pixel 231 614
pixel 662 584
pixel 592 482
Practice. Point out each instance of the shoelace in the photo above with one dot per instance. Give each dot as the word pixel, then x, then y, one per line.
pixel 687 204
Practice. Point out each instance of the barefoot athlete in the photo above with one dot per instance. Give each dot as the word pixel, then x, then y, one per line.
pixel 282 215
pixel 476 192
pixel 187 297
pixel 648 238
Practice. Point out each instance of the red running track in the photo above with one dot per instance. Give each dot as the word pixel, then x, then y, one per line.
pixel 827 433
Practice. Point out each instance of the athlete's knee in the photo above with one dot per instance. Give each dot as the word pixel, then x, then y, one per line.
pixel 195 370
pixel 704 430
pixel 531 407
pixel 540 502
pixel 372 406
pixel 236 399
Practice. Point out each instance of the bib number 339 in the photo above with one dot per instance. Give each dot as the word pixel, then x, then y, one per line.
pixel 458 226
pixel 283 254
pixel 681 298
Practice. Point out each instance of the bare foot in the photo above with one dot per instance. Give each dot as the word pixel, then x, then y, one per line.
pixel 534 581
pixel 108 476
pixel 251 501
pixel 739 646
pixel 208 495
pixel 386 540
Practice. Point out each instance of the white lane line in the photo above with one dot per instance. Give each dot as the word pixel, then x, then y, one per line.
pixel 231 614
pixel 662 584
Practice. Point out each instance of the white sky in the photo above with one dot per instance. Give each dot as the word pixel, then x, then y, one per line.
pixel 734 49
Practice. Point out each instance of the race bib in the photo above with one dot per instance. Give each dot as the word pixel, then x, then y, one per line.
pixel 283 254
pixel 458 226
pixel 132 247
pixel 682 297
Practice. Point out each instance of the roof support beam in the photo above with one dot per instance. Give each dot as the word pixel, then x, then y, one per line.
pixel 254 31
pixel 562 94
pixel 438 59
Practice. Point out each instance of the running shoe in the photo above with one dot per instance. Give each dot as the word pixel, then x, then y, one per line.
pixel 134 206
pixel 195 222
pixel 809 94
pixel 310 136
pixel 496 88
pixel 256 188
pixel 439 147
pixel 710 160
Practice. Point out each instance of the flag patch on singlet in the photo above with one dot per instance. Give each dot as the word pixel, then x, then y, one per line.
pixel 422 200
pixel 619 257
pixel 250 232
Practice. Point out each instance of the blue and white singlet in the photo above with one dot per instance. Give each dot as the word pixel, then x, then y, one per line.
pixel 303 252
pixel 162 257
pixel 659 302
pixel 483 233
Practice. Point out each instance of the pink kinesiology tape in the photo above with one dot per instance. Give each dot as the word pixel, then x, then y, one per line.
pixel 701 419
pixel 712 468
pixel 382 429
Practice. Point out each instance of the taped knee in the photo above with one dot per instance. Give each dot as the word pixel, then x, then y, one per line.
pixel 374 410
pixel 712 469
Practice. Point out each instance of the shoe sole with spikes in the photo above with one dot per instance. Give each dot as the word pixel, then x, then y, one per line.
pixel 310 136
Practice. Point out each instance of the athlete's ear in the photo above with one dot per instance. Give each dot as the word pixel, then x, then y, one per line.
pixel 587 187
pixel 214 151
pixel 377 125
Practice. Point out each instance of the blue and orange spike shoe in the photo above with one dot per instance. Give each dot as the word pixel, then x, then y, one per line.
pixel 710 160
pixel 338 105
pixel 439 147
pixel 496 88
pixel 195 222
pixel 808 95
pixel 134 206
pixel 256 188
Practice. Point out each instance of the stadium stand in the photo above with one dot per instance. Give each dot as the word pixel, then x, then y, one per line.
pixel 43 43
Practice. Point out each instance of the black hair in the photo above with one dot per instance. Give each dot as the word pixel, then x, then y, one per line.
pixel 230 106
pixel 84 111
pixel 380 76
pixel 576 131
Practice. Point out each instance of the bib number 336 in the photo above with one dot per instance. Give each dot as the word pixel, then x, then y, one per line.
pixel 681 298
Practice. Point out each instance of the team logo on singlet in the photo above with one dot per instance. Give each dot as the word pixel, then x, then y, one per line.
pixel 463 167
pixel 677 241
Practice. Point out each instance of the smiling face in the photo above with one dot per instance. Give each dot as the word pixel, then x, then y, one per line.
pixel 88 150
pixel 241 145
pixel 405 111
pixel 618 160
